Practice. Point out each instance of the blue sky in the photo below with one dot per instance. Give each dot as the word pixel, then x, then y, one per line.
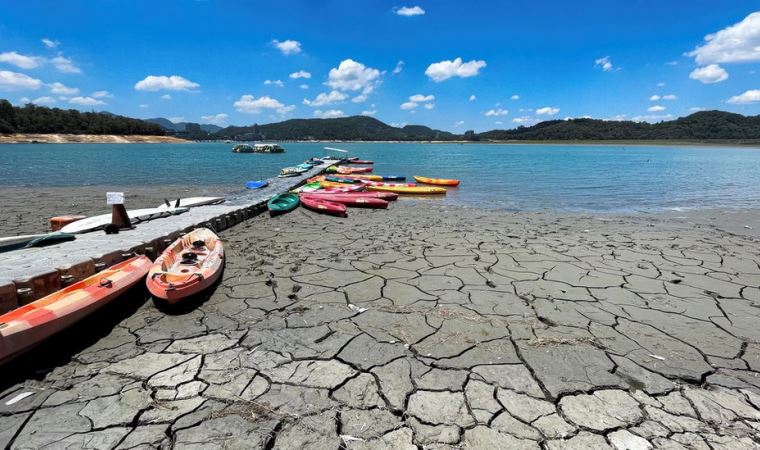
pixel 466 65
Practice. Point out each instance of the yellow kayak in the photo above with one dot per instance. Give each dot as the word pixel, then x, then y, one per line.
pixel 415 190
pixel 438 181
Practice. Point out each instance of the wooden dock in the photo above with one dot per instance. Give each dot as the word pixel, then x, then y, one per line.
pixel 29 274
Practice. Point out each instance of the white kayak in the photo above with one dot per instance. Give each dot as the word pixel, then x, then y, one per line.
pixel 135 215
pixel 191 202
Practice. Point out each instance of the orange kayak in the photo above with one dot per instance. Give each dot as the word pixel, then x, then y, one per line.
pixel 189 265
pixel 29 325
pixel 413 190
pixel 436 181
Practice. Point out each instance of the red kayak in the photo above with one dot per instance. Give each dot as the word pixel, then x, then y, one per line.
pixel 359 161
pixel 356 201
pixel 319 205
pixel 388 196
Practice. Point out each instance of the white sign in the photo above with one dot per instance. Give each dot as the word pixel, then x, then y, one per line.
pixel 115 198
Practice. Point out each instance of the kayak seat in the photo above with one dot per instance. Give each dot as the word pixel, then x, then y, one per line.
pixel 189 258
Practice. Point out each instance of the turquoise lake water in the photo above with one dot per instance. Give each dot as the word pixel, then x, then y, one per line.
pixel 512 177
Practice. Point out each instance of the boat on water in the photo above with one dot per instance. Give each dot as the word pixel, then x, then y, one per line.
pixel 257 148
pixel 436 181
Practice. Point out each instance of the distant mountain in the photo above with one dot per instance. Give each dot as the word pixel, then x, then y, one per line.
pixel 168 125
pixel 704 125
pixel 358 128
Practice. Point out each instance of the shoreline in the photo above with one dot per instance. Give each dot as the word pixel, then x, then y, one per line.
pixel 58 138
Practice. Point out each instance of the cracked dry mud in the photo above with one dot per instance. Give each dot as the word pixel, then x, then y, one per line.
pixel 424 327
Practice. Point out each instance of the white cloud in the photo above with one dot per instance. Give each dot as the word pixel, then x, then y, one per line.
pixel 496 112
pixel 144 105
pixel 751 96
pixel 654 98
pixel 515 97
pixel 656 108
pixel 419 98
pixel 473 98
pixel 409 11
pixel 709 74
pixel 523 119
pixel 547 111
pixel 329 114
pixel 351 75
pixel 252 105
pixel 65 65
pixel 216 119
pixel 444 70
pixel 605 63
pixel 660 84
pixel 43 100
pixel 359 98
pixel 49 43
pixel 304 86
pixel 399 68
pixel 287 47
pixel 278 83
pixel 670 97
pixel 398 125
pixel 697 109
pixel 416 99
pixel 21 61
pixel 170 83
pixel 739 42
pixel 102 94
pixel 300 74
pixel 166 97
pixel 61 89
pixel 86 101
pixel 326 99
pixel 652 118
pixel 14 81
pixel 459 123
pixel 368 112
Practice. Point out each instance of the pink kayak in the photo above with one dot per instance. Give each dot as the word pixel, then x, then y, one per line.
pixel 356 201
pixel 317 204
pixel 389 196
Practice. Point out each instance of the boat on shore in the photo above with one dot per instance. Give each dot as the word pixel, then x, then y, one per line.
pixel 189 265
pixel 257 148
pixel 29 325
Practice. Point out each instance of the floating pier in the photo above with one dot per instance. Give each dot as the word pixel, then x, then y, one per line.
pixel 29 274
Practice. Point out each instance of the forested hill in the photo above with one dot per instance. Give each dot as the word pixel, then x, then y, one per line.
pixel 700 126
pixel 704 125
pixel 39 119
pixel 359 128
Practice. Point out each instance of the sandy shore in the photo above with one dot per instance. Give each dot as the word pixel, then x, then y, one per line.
pixel 424 326
pixel 87 139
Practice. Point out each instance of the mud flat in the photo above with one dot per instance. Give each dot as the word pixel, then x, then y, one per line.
pixel 428 326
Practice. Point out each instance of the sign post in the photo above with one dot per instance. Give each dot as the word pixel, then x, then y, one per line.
pixel 119 216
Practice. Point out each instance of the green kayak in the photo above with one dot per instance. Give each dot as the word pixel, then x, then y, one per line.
pixel 280 204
